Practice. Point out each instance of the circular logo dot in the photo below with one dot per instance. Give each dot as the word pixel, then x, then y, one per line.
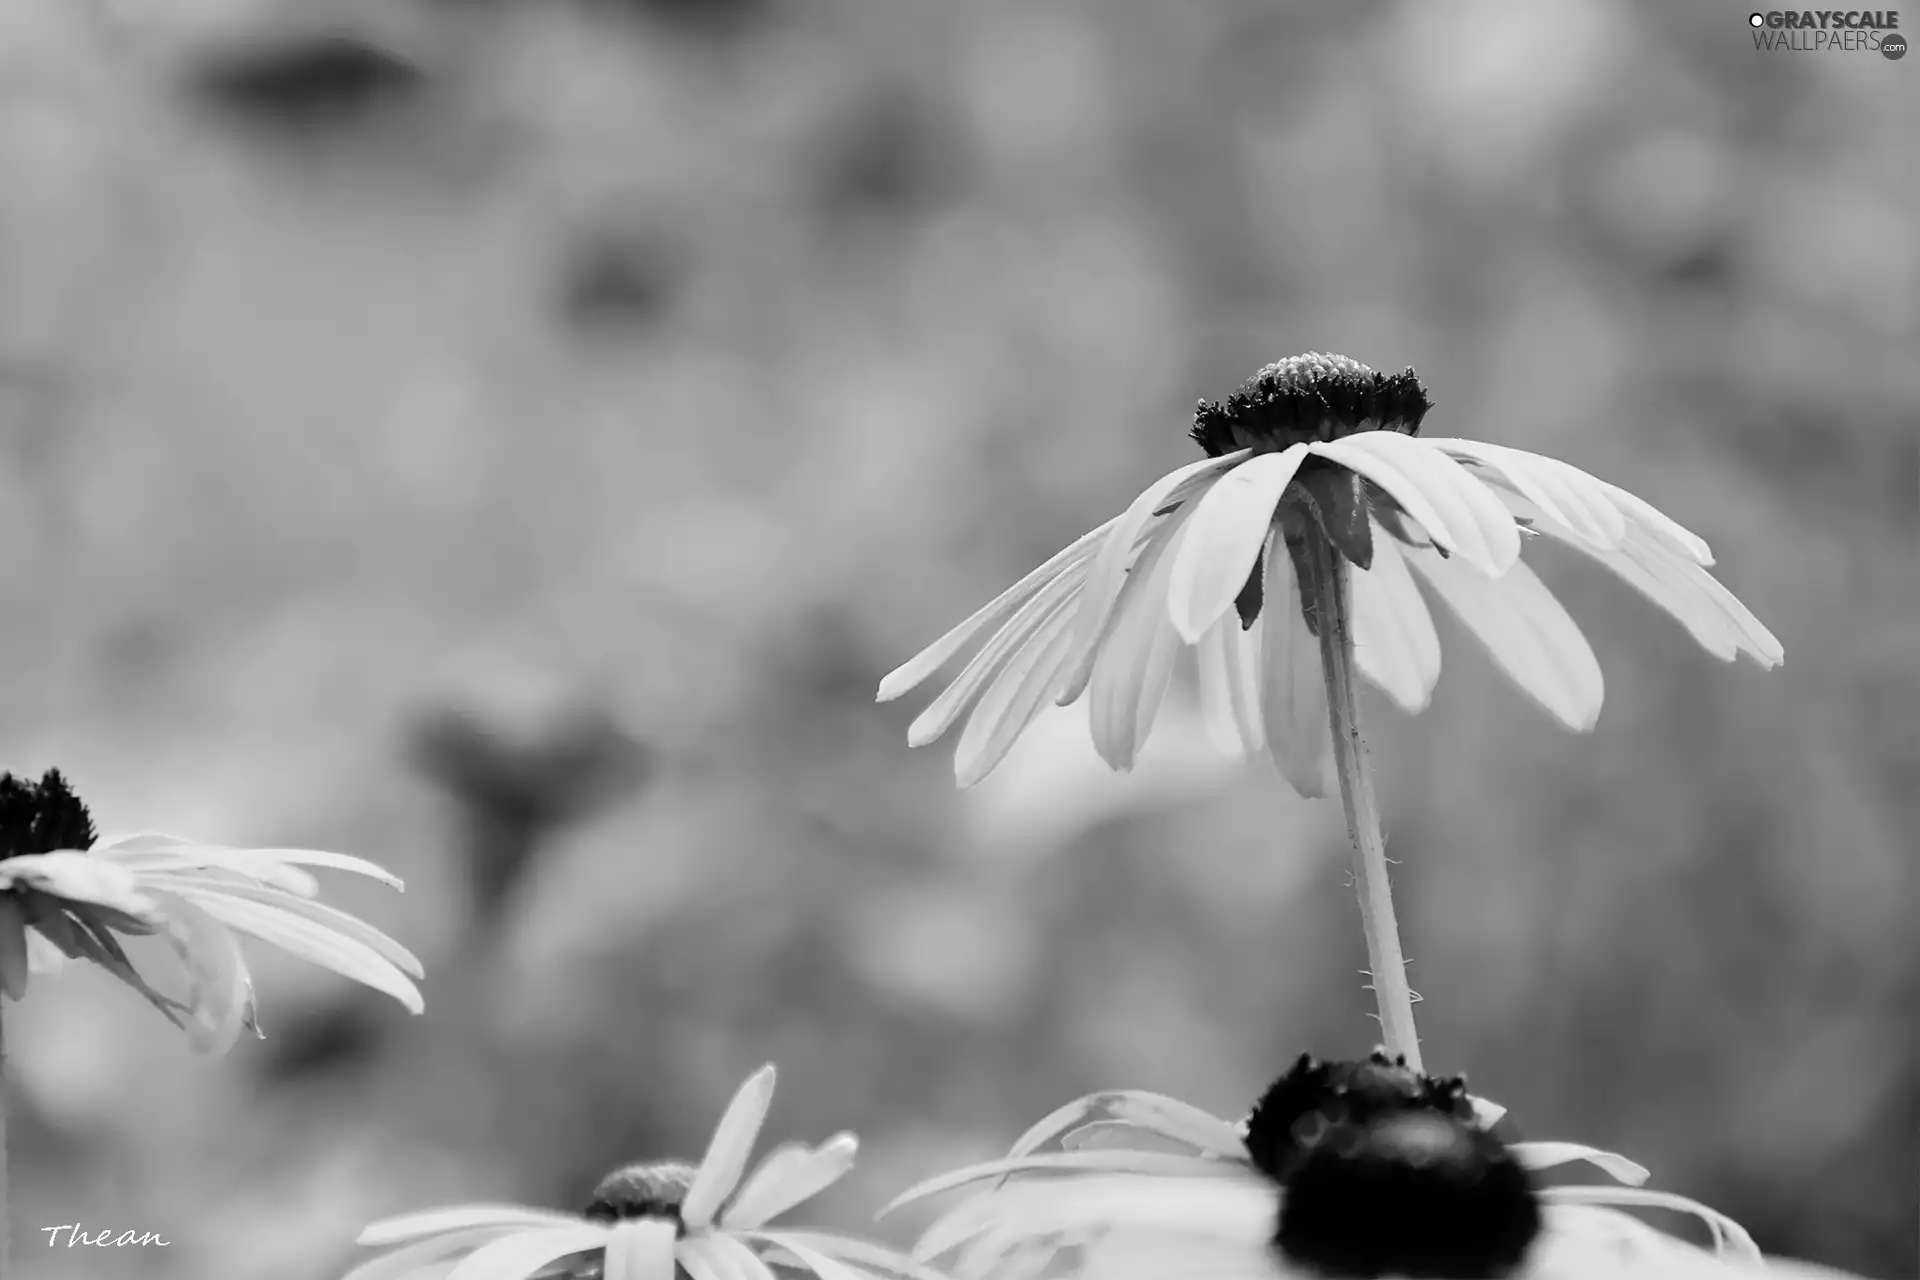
pixel 1756 19
pixel 1895 47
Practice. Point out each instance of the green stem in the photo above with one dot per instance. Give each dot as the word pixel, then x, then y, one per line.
pixel 1330 600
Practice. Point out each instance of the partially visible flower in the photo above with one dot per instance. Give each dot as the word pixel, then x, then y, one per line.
pixel 1359 1169
pixel 646 1219
pixel 64 893
pixel 1211 556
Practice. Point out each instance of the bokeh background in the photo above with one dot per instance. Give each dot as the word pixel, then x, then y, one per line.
pixel 511 440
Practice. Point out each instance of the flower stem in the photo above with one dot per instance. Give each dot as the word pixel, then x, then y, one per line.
pixel 6 1210
pixel 1330 600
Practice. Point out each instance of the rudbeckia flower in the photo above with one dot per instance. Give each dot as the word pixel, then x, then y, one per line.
pixel 1345 1169
pixel 1211 557
pixel 64 893
pixel 646 1219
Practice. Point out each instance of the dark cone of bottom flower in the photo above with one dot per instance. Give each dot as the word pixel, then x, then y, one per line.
pixel 1411 1193
pixel 1313 1099
pixel 654 1190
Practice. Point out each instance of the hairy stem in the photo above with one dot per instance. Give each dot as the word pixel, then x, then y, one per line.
pixel 1329 598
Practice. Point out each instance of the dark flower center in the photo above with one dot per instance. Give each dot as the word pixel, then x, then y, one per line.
pixel 1313 1098
pixel 1386 1172
pixel 642 1191
pixel 1309 397
pixel 1412 1193
pixel 40 817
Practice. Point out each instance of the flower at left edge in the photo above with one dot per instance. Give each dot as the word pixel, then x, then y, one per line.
pixel 651 1221
pixel 67 894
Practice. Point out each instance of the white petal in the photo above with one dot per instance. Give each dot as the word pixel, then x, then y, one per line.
pixel 993 657
pixel 1139 1109
pixel 1549 1155
pixel 42 955
pixel 717 1256
pixel 1671 579
pixel 727 1154
pixel 1478 527
pixel 79 877
pixel 1565 493
pixel 859 1252
pixel 1132 1162
pixel 1730 1238
pixel 1293 701
pixel 1662 526
pixel 266 865
pixel 314 942
pixel 197 888
pixel 219 988
pixel 518 1256
pixel 1230 524
pixel 405 1262
pixel 1526 631
pixel 1486 1113
pixel 772 1191
pixel 1394 643
pixel 1135 661
pixel 1229 658
pixel 640 1249
pixel 811 1258
pixel 1018 694
pixel 1109 572
pixel 461 1217
pixel 916 669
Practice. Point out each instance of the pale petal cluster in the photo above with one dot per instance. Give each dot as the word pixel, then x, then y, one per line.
pixel 721 1233
pixel 1147 1187
pixel 198 897
pixel 1108 616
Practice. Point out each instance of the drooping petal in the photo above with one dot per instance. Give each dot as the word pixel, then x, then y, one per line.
pixel 460 1217
pixel 1443 497
pixel 911 673
pixel 810 1258
pixel 1132 1162
pixel 727 1153
pixel 717 1256
pixel 1394 643
pixel 1018 694
pixel 403 1263
pixel 1675 582
pixel 1229 657
pixel 219 988
pixel 772 1191
pixel 279 867
pixel 198 888
pixel 1135 662
pixel 1527 632
pixel 1153 1112
pixel 640 1249
pixel 1549 1155
pixel 1566 493
pixel 1230 524
pixel 1293 702
pixel 1466 504
pixel 78 877
pixel 1000 649
pixel 1730 1238
pixel 518 1256
pixel 1109 572
pixel 316 943
pixel 861 1253
pixel 42 955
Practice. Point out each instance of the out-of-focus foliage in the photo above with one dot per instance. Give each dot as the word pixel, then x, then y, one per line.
pixel 397 397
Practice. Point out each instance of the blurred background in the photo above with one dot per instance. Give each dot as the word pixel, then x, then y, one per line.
pixel 510 440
